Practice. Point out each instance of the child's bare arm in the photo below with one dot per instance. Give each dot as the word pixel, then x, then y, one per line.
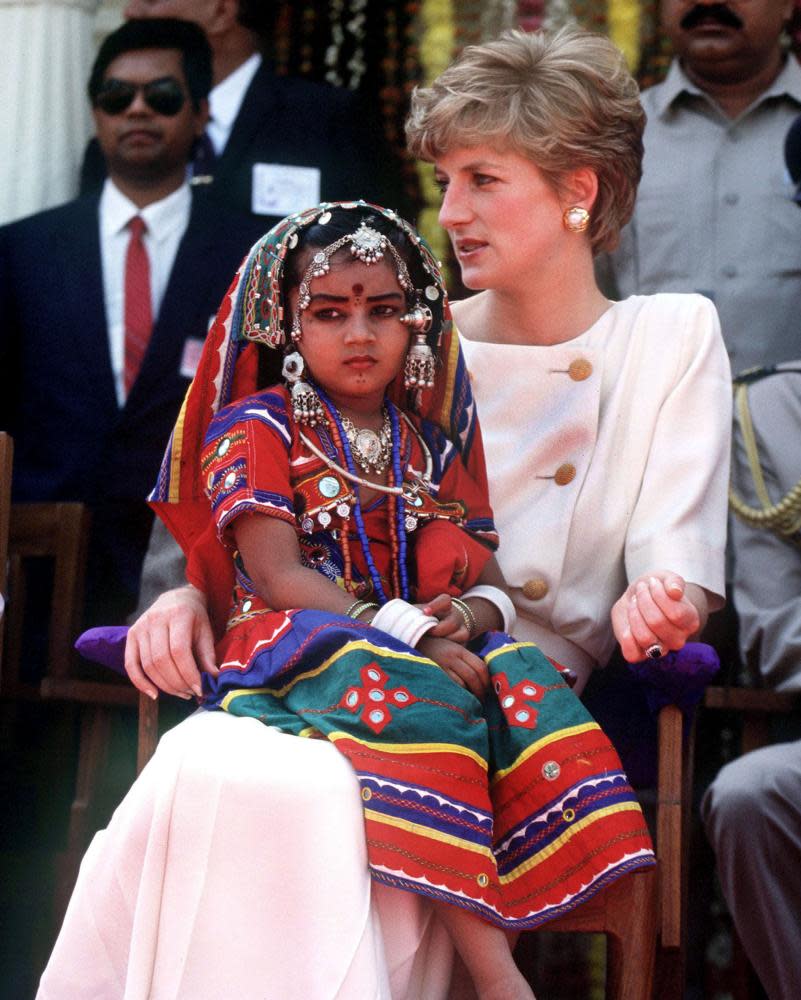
pixel 270 552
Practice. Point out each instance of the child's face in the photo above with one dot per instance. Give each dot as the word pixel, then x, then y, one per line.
pixel 352 338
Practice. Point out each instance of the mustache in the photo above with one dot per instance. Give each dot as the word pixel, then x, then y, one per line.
pixel 719 12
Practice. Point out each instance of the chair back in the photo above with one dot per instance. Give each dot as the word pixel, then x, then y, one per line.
pixel 54 535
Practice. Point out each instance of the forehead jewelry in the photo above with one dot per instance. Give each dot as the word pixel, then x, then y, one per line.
pixel 367 245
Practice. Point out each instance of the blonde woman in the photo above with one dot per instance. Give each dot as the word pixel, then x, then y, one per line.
pixel 606 424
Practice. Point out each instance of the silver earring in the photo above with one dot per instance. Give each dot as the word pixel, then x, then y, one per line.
pixel 306 406
pixel 418 372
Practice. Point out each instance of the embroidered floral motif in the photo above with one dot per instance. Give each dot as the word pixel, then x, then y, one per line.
pixel 375 699
pixel 515 701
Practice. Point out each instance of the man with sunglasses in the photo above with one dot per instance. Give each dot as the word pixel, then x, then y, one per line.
pixel 105 302
pixel 274 144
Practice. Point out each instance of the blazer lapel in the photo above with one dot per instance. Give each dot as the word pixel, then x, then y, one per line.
pixel 259 96
pixel 81 267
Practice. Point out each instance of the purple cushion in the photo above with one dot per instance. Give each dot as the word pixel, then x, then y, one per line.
pixel 105 645
pixel 678 678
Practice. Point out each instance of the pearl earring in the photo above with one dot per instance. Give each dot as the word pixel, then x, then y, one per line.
pixel 576 219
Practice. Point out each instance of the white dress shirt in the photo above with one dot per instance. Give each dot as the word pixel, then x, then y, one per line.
pixel 225 100
pixel 166 222
pixel 608 456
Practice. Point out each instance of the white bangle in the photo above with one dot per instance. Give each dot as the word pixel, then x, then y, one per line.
pixel 403 621
pixel 499 599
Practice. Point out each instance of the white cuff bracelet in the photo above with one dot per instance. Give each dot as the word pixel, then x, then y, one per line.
pixel 403 621
pixel 497 597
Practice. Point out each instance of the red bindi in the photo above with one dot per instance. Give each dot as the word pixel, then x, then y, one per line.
pixel 358 290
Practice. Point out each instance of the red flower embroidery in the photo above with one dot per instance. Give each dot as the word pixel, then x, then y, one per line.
pixel 375 699
pixel 516 701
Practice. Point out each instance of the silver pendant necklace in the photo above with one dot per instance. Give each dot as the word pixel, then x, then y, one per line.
pixel 409 491
pixel 371 451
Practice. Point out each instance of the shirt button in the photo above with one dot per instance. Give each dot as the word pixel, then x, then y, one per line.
pixel 565 474
pixel 579 369
pixel 731 198
pixel 535 589
pixel 730 271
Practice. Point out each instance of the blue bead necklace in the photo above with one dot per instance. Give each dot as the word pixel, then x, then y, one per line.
pixel 399 542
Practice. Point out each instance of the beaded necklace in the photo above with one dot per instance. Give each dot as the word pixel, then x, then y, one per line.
pixel 396 512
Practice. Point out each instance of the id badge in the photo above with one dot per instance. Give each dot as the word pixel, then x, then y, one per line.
pixel 190 357
pixel 283 190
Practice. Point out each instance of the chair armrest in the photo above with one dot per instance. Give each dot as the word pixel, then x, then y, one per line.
pixel 672 807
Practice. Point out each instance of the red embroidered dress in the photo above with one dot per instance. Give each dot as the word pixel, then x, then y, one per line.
pixel 514 807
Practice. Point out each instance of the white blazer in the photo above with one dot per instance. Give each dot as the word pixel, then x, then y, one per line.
pixel 608 456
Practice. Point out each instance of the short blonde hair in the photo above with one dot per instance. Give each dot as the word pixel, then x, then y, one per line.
pixel 564 101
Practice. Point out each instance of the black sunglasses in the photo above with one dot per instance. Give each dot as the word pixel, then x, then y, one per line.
pixel 165 96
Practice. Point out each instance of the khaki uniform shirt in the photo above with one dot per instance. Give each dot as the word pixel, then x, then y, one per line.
pixel 767 567
pixel 715 215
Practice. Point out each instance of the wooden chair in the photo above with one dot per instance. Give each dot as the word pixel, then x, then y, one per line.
pixel 638 912
pixel 57 533
pixel 148 731
pixel 755 707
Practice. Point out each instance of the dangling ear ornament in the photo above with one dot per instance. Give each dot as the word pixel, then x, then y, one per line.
pixel 576 219
pixel 418 372
pixel 419 318
pixel 306 406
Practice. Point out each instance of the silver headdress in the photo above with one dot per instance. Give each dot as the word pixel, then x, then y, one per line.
pixel 367 245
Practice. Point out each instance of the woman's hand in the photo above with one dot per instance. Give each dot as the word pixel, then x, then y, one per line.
pixel 462 666
pixel 451 623
pixel 170 644
pixel 657 609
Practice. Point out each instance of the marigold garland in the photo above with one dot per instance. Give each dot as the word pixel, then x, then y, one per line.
pixel 384 50
pixel 623 18
pixel 437 38
pixel 557 14
pixel 530 14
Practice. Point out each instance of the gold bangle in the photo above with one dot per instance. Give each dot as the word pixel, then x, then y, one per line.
pixel 359 607
pixel 368 606
pixel 467 614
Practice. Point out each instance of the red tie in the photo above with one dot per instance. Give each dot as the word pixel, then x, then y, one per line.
pixel 138 311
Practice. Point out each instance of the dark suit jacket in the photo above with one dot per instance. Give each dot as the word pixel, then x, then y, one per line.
pixel 71 440
pixel 297 122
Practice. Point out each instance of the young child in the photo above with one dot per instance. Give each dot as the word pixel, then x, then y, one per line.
pixel 349 519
